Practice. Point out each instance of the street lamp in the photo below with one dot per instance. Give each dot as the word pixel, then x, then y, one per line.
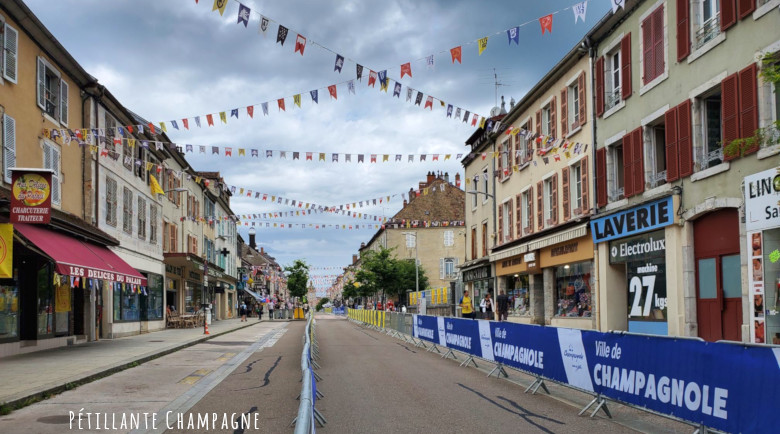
pixel 480 192
pixel 416 267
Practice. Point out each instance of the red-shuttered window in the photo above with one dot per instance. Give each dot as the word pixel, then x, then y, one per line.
pixel 529 200
pixel 745 8
pixel 684 29
pixel 566 194
pixel 633 163
pixel 600 86
pixel 728 14
pixel 739 94
pixel 653 55
pixel 679 143
pixel 601 177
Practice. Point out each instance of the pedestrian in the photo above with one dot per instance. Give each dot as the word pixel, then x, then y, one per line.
pixel 503 305
pixel 467 310
pixel 242 311
pixel 270 305
pixel 403 308
pixel 487 307
pixel 259 311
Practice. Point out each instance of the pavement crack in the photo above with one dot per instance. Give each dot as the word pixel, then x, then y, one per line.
pixel 249 366
pixel 267 378
pixel 523 413
pixel 240 424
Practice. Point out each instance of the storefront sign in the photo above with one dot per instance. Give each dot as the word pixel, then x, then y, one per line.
pixel 173 270
pixel 647 296
pixel 476 274
pixel 564 249
pixel 6 251
pixel 31 196
pixel 762 200
pixel 643 218
pixel 637 248
pixel 758 313
pixel 92 273
pixel 194 275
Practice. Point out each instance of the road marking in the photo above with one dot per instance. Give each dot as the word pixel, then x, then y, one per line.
pixel 225 357
pixel 195 376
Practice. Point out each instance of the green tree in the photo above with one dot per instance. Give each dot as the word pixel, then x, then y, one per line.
pixel 406 276
pixel 321 302
pixel 383 273
pixel 298 278
pixel 349 291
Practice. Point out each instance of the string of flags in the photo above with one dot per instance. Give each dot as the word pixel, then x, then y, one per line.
pixel 395 224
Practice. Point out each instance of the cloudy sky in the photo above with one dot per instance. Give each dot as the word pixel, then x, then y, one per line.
pixel 169 60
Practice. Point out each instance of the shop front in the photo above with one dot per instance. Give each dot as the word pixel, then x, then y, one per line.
pixel 518 276
pixel 567 268
pixel 762 224
pixel 478 280
pixel 174 281
pixel 191 289
pixel 634 279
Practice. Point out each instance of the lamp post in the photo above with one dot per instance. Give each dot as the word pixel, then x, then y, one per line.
pixel 416 260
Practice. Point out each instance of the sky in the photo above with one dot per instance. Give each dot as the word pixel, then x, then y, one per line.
pixel 170 60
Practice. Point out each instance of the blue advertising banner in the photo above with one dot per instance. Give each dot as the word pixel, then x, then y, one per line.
pixel 463 335
pixel 643 218
pixel 426 328
pixel 528 348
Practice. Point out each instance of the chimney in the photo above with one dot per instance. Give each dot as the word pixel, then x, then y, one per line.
pixel 431 177
pixel 447 177
pixel 252 238
pixel 262 250
pixel 411 195
pixel 354 259
pixel 457 180
pixel 405 202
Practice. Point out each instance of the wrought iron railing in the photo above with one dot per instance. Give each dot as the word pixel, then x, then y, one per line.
pixel 616 194
pixel 611 99
pixel 708 31
pixel 658 179
pixel 713 156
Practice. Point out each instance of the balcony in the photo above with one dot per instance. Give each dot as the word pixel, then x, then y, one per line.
pixel 707 32
pixel 611 99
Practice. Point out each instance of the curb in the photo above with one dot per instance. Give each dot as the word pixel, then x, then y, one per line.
pixel 18 403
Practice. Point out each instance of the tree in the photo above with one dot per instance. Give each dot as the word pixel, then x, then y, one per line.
pixel 322 301
pixel 381 272
pixel 298 278
pixel 406 276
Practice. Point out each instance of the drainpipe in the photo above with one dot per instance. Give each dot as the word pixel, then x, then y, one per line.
pixel 594 193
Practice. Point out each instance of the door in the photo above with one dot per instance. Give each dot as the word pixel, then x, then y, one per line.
pixel 718 276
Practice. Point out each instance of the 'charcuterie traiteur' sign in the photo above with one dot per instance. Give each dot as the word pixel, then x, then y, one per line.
pixel 31 196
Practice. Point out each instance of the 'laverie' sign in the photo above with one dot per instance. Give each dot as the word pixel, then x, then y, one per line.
pixel 762 200
pixel 643 218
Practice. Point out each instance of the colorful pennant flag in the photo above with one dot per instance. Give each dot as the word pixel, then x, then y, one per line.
pixel 406 68
pixel 332 91
pixel 617 4
pixel 263 25
pixel 546 23
pixel 219 5
pixel 280 103
pixel 514 35
pixel 482 43
pixel 359 72
pixel 456 54
pixel 297 100
pixel 314 96
pixel 397 90
pixel 579 11
pixel 282 35
pixel 339 63
pixel 429 102
pixel 243 14
pixel 300 44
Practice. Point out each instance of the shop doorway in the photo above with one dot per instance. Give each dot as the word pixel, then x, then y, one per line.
pixel 718 276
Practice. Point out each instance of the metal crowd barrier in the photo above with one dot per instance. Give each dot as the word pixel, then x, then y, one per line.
pixel 307 413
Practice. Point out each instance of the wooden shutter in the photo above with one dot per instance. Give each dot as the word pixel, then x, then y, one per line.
pixel 41 84
pixel 529 147
pixel 658 42
pixel 600 86
pixel 9 146
pixel 539 122
pixel 670 128
pixel 639 161
pixel 500 224
pixel 565 188
pixel 625 67
pixel 581 86
pixel 564 112
pixel 553 118
pixel 683 30
pixel 509 222
pixel 473 243
pixel 728 14
pixel 585 209
pixel 554 199
pixel 530 209
pixel 729 90
pixel 745 7
pixel 64 103
pixel 501 161
pixel 647 50
pixel 540 205
pixel 10 53
pixel 748 105
pixel 519 215
pixel 517 142
pixel 628 162
pixel 601 177
pixel 685 138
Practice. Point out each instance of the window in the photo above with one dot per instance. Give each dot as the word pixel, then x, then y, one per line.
pixel 449 238
pixel 128 154
pixel 652 42
pixel 141 218
pixel 155 162
pixel 411 240
pixel 485 184
pixel 617 173
pixel 447 268
pixel 655 141
pixel 127 210
pixel 474 243
pixel 111 202
pixel 9 146
pixel 575 176
pixel 9 40
pixel 51 161
pixel 573 105
pixel 525 211
pixel 170 241
pixel 52 92
pixel 573 289
pixel 710 152
pixel 506 227
pixel 505 159
pixel 192 244
pixel 484 239
pixel 706 22
pixel 547 120
pixel 110 129
pixel 474 198
pixel 633 163
pixel 612 96
pixel 548 200
pixel 613 75
pixel 153 224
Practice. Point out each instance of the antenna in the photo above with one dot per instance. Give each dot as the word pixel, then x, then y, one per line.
pixel 497 84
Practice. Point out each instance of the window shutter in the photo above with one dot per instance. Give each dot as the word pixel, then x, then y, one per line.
pixel 540 205
pixel 685 138
pixel 648 63
pixel 639 161
pixel 529 147
pixel 554 199
pixel 539 122
pixel 441 268
pixel 500 164
pixel 584 176
pixel 41 84
pixel 509 222
pixel 516 148
pixel 565 187
pixel 55 177
pixel 729 90
pixel 601 177
pixel 745 7
pixel 625 66
pixel 530 210
pixel 64 102
pixel 658 42
pixel 9 146
pixel 501 224
pixel 581 86
pixel 553 118
pixel 600 86
pixel 519 215
pixel 628 162
pixel 683 30
pixel 670 128
pixel 748 105
pixel 728 14
pixel 10 53
pixel 564 112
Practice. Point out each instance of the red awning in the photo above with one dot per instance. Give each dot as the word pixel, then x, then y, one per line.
pixel 80 259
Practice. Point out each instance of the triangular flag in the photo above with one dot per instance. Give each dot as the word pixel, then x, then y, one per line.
pixel 359 72
pixel 456 54
pixel 579 11
pixel 372 78
pixel 264 106
pixel 300 44
pixel 220 6
pixel 243 14
pixel 546 23
pixel 429 102
pixel 314 96
pixel 332 91
pixel 406 68
pixel 186 123
pixel 383 80
pixel 397 90
pixel 339 63
pixel 617 4
pixel 351 86
pixel 418 99
pixel 482 44
pixel 234 113
pixel 250 110
pixel 513 34
pixel 223 117
pixel 282 35
pixel 210 120
pixel 428 61
pixel 297 100
pixel 280 103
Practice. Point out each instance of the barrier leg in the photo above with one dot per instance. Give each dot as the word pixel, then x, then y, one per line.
pixel 539 382
pixel 434 348
pixel 313 363
pixel 319 394
pixel 450 353
pixel 701 430
pixel 421 343
pixel 319 418
pixel 317 376
pixel 601 405
pixel 499 370
pixel 470 360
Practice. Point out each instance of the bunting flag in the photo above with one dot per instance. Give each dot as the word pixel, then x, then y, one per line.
pixel 234 113
pixel 223 117
pixel 186 123
pixel 359 72
pixel 314 96
pixel 332 91
pixel 617 4
pixel 409 92
pixel 429 102
pixel 297 100
pixel 482 44
pixel 243 15
pixel 449 110
pixel 372 78
pixel 546 23
pixel 351 86
pixel 514 35
pixel 264 106
pixel 282 35
pixel 397 90
pixel 383 80
pixel 579 11
pixel 339 63
pixel 456 54
pixel 280 103
pixel 428 61
pixel 406 68
pixel 263 25
pixel 210 120
pixel 250 111
pixel 219 5
pixel 300 44
pixel 418 99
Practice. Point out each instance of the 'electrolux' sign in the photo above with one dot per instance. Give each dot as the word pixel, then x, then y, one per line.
pixel 637 248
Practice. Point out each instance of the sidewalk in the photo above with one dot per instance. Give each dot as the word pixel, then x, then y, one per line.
pixel 41 373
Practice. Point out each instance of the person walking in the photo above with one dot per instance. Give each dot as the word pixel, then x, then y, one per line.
pixel 242 311
pixel 467 309
pixel 270 309
pixel 259 311
pixel 503 305
pixel 487 307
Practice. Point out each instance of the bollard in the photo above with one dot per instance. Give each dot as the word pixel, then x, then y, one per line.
pixel 207 321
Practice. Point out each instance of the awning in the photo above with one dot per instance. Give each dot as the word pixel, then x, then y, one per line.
pixel 80 259
pixel 253 294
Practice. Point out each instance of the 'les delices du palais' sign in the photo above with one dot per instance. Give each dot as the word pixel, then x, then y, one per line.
pixel 31 196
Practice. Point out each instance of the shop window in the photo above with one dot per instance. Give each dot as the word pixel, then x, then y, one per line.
pixel 771 298
pixel 519 293
pixel 573 290
pixel 710 150
pixel 9 309
pixel 127 210
pixel 126 303
pixel 152 301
